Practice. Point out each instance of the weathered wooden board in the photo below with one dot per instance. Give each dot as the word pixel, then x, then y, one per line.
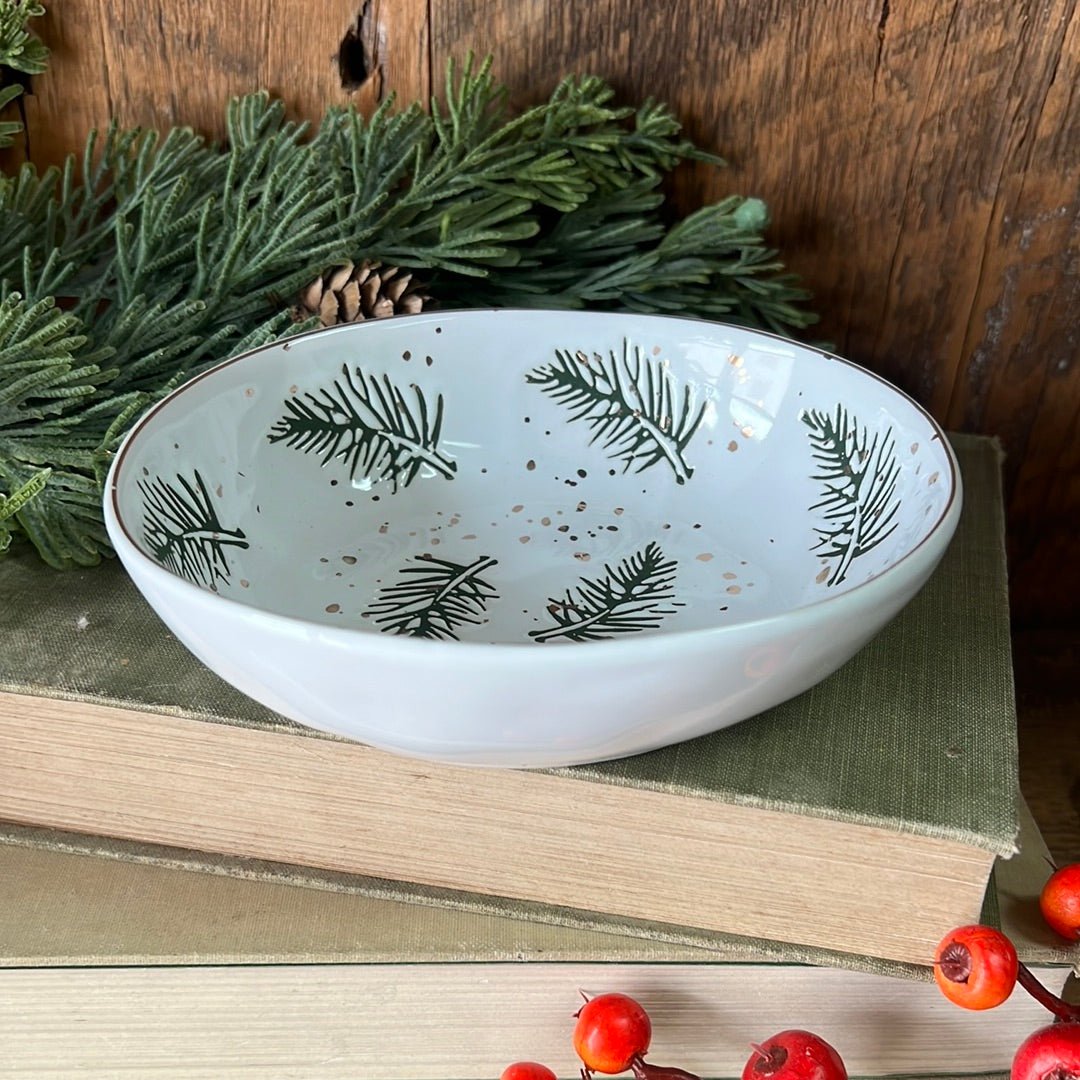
pixel 921 158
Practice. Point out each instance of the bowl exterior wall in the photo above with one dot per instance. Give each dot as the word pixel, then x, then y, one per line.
pixel 469 706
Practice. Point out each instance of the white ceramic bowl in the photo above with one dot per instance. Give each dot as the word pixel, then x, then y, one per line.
pixel 530 538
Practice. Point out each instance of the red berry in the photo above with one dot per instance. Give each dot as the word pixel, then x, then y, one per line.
pixel 611 1030
pixel 1051 1053
pixel 1060 901
pixel 794 1055
pixel 975 967
pixel 527 1070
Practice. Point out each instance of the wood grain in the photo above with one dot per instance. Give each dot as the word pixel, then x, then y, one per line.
pixel 921 158
pixel 160 63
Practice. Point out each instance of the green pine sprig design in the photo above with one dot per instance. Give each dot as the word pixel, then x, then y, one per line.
pixel 166 253
pixel 434 598
pixel 182 530
pixel 368 424
pixel 859 472
pixel 632 403
pixel 633 596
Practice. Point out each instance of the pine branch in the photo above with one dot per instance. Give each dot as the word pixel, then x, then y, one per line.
pixel 182 529
pixel 368 424
pixel 8 128
pixel 631 403
pixel 434 599
pixel 630 598
pixel 21 54
pixel 859 475
pixel 19 49
pixel 11 504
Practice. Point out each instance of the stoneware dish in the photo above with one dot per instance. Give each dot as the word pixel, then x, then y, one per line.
pixel 530 538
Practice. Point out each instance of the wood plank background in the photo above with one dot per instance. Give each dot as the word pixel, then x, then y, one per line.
pixel 921 158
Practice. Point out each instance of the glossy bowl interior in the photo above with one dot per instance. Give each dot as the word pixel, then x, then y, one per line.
pixel 519 510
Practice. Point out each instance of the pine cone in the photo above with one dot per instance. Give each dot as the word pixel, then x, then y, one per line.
pixel 353 293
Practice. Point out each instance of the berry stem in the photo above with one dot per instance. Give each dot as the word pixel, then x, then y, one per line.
pixel 1061 1009
pixel 643 1070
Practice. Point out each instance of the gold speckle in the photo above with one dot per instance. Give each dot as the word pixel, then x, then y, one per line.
pixel 333 609
pixel 705 556
pixel 545 521
pixel 244 583
pixel 294 389
pixel 435 541
pixel 821 578
pixel 582 556
pixel 735 361
pixel 733 446
pixel 124 661
pixel 932 478
pixel 469 536
pixel 729 576
pixel 618 511
pixel 249 392
pixel 517 509
pixel 746 431
pixel 733 589
pixel 524 539
pixel 656 350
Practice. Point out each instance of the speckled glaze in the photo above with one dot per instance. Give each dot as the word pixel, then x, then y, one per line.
pixel 530 538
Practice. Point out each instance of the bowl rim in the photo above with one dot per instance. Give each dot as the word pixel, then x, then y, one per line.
pixel 117 525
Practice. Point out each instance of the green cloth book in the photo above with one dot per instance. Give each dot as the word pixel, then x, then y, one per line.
pixel 120 964
pixel 862 817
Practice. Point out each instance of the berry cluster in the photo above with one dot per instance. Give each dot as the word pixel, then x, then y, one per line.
pixel 613 1033
pixel 975 967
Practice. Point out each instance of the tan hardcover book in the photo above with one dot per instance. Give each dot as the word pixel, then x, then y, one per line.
pixel 114 966
pixel 863 816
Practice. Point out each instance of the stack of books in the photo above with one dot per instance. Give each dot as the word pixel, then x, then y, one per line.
pixel 387 917
pixel 124 965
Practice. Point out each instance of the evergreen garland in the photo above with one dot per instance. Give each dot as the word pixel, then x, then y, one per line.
pixel 125 273
pixel 20 54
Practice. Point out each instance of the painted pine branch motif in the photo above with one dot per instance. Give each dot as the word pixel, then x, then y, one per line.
pixel 858 472
pixel 371 426
pixel 183 532
pixel 631 597
pixel 434 598
pixel 632 403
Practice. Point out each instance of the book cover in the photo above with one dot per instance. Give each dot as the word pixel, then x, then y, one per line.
pixel 108 726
